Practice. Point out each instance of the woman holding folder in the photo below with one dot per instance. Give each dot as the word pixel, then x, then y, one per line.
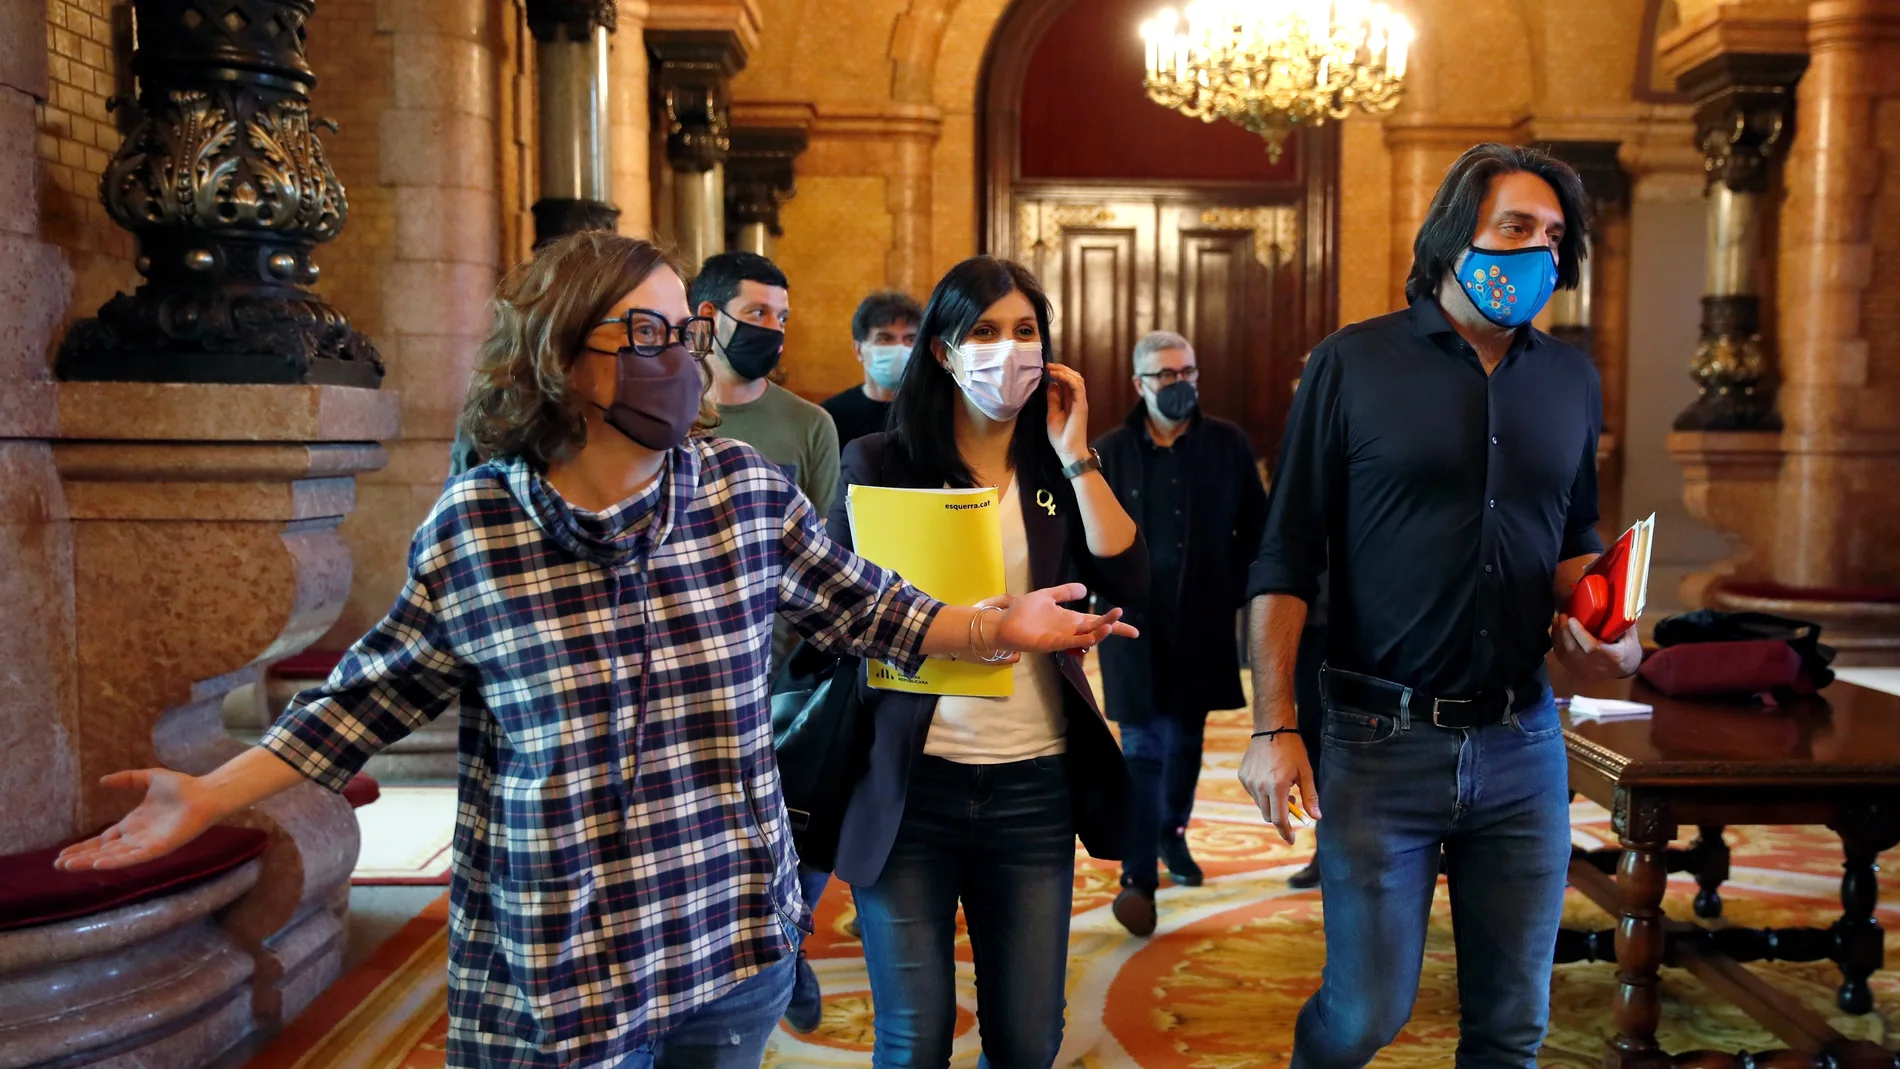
pixel 981 799
pixel 600 592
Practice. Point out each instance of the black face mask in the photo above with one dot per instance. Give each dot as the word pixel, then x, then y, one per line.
pixel 1177 400
pixel 753 351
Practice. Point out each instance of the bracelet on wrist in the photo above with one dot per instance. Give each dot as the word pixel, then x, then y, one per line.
pixel 981 649
pixel 1274 732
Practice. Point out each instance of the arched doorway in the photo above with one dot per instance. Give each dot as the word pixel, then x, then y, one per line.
pixel 1139 219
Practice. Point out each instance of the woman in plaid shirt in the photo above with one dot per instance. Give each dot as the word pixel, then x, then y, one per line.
pixel 600 594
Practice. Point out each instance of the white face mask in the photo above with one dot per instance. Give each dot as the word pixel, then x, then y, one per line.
pixel 998 377
pixel 885 363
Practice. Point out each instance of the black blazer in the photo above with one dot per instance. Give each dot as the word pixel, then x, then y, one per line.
pixel 1058 552
pixel 1226 511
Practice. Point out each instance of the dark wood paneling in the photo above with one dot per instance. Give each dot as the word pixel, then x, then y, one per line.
pixel 1096 330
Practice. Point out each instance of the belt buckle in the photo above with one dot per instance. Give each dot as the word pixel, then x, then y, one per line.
pixel 1436 702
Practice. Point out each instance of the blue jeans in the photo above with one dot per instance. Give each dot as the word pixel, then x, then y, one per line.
pixel 729 1032
pixel 1496 798
pixel 1164 765
pixel 1001 839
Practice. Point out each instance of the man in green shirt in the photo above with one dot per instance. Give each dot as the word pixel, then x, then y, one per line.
pixel 747 298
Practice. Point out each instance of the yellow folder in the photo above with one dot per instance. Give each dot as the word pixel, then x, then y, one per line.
pixel 948 544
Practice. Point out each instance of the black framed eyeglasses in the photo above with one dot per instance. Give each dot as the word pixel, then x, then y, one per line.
pixel 1169 376
pixel 649 332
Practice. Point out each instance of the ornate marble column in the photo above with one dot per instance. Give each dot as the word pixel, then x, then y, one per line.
pixel 574 149
pixel 1836 555
pixel 1744 119
pixel 627 85
pixel 759 177
pixel 1595 316
pixel 224 183
pixel 691 73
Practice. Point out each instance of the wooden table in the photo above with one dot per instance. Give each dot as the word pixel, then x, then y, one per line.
pixel 1832 760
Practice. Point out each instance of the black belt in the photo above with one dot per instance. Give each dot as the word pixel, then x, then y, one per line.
pixel 1384 698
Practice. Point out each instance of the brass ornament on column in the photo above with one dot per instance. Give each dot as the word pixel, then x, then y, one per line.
pixel 691 72
pixel 223 181
pixel 760 176
pixel 1744 123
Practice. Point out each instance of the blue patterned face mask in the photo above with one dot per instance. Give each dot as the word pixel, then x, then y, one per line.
pixel 1509 288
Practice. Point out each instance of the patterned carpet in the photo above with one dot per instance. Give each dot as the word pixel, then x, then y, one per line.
pixel 1219 984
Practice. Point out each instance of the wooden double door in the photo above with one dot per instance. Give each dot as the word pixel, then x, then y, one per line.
pixel 1229 275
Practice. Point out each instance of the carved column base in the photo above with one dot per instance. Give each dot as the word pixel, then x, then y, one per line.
pixel 1730 480
pixel 156 985
pixel 204 543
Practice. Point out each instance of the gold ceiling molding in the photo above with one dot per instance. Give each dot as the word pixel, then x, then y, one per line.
pixel 1276 230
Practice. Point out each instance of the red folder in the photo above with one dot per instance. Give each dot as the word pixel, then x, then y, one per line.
pixel 1611 595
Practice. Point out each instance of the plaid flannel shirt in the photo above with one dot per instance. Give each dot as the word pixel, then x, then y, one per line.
pixel 621 851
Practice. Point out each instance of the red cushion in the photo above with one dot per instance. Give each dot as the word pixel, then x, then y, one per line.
pixel 1882 595
pixel 361 790
pixel 34 892
pixel 310 664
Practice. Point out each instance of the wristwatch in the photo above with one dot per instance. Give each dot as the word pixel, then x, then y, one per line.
pixel 1092 462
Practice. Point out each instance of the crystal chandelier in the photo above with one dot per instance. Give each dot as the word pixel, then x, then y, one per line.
pixel 1271 65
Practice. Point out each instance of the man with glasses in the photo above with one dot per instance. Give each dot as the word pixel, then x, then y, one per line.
pixel 1190 482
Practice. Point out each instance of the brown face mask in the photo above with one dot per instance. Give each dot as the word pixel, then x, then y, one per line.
pixel 656 398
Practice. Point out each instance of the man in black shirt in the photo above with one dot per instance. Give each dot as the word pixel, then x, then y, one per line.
pixel 1190 482
pixel 1440 466
pixel 883 332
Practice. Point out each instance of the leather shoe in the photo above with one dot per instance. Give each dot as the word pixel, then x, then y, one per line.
pixel 1135 908
pixel 1182 868
pixel 1306 879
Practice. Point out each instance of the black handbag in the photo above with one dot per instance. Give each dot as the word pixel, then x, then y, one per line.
pixel 823 737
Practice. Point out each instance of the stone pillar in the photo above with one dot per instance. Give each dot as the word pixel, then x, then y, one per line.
pixel 1421 153
pixel 691 75
pixel 1744 115
pixel 39 777
pixel 1836 554
pixel 909 265
pixel 575 155
pixel 629 112
pixel 759 178
pixel 439 157
pixel 1595 316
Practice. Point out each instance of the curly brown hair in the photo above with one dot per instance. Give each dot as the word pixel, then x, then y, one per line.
pixel 521 401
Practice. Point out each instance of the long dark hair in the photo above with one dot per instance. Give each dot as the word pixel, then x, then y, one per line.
pixel 1453 216
pixel 922 421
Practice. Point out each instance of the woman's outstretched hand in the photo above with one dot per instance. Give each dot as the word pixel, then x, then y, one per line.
pixel 175 810
pixel 1037 622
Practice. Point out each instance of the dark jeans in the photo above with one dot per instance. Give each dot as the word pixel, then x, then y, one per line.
pixel 729 1032
pixel 1001 839
pixel 1164 765
pixel 1496 798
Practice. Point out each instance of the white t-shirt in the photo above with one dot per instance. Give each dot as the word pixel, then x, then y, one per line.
pixel 1029 723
